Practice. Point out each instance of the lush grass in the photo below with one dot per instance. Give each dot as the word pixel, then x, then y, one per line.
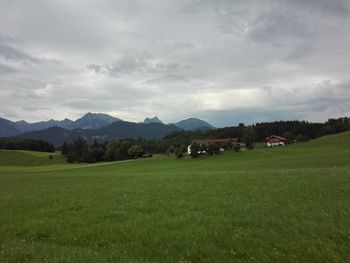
pixel 29 158
pixel 284 204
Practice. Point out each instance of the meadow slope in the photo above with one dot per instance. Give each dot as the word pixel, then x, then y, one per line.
pixel 286 204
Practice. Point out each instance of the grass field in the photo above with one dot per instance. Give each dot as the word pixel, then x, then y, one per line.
pixel 286 204
pixel 29 158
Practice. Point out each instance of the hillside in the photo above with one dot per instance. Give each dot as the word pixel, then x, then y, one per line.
pixel 152 119
pixel 88 121
pixel 92 121
pixel 54 135
pixel 29 158
pixel 125 129
pixel 193 124
pixel 24 126
pixel 267 204
pixel 8 128
pixel 120 129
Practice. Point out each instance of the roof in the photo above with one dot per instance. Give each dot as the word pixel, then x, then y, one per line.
pixel 276 137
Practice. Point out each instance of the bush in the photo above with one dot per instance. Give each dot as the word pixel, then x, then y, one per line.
pixel 302 138
pixel 171 150
pixel 203 148
pixel 179 154
pixel 71 158
pixel 248 136
pixel 90 156
pixel 289 135
pixel 118 150
pixel 135 151
pixel 194 150
pixel 183 148
pixel 237 147
pixel 213 149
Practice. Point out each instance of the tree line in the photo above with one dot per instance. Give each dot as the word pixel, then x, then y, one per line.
pixel 25 144
pixel 292 130
pixel 113 150
pixel 176 143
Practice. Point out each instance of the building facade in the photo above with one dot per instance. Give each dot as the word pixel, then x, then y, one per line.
pixel 275 140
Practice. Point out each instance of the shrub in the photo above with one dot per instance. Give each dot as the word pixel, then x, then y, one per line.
pixel 178 153
pixel 194 150
pixel 302 138
pixel 171 150
pixel 248 136
pixel 237 147
pixel 90 156
pixel 135 151
pixel 213 149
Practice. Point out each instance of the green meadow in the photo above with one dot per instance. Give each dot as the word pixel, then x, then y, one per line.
pixel 284 204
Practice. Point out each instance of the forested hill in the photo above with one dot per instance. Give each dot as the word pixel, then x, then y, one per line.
pixel 120 130
pixel 289 129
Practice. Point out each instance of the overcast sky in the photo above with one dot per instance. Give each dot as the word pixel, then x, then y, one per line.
pixel 224 61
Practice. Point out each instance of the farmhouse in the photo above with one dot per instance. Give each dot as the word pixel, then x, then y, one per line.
pixel 275 140
pixel 220 143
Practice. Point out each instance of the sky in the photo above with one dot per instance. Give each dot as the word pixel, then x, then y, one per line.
pixel 223 61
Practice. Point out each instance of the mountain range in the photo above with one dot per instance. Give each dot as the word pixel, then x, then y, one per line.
pixel 88 121
pixel 95 126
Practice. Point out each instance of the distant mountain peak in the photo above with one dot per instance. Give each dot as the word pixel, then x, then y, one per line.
pixel 93 121
pixel 193 124
pixel 152 120
pixel 96 115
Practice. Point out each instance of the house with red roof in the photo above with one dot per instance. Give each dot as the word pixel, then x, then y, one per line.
pixel 275 140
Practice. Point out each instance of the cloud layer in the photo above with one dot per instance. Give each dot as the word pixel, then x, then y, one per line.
pixel 225 61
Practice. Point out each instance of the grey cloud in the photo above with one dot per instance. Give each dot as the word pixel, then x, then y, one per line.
pixel 299 53
pixel 132 64
pixel 129 64
pixel 335 7
pixel 176 59
pixel 94 67
pixel 172 78
pixel 184 45
pixel 79 103
pixel 280 23
pixel 5 38
pixel 12 53
pixel 192 6
pixel 4 69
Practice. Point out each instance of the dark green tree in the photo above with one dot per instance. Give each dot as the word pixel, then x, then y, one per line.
pixel 248 137
pixel 135 151
pixel 289 135
pixel 203 148
pixel 113 150
pixel 90 156
pixel 178 153
pixel 80 148
pixel 237 147
pixel 171 150
pixel 213 149
pixel 302 138
pixel 194 150
pixel 64 149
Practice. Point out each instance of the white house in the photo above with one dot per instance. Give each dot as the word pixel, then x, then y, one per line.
pixel 275 140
